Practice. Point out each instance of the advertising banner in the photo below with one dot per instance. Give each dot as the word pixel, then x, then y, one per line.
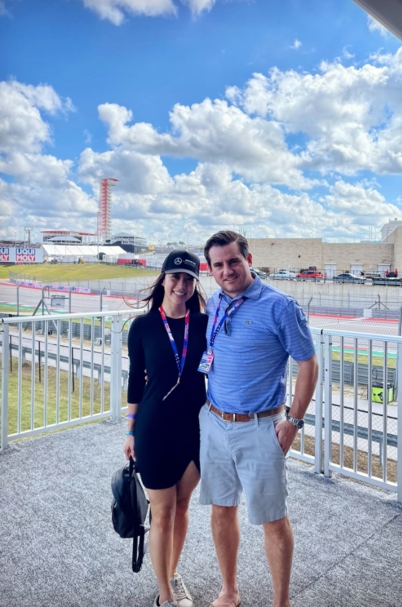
pixel 4 254
pixel 25 255
pixel 21 255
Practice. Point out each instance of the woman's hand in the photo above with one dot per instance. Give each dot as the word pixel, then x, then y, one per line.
pixel 128 447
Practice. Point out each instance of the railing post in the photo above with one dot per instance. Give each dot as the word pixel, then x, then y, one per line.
pixel 399 431
pixel 4 389
pixel 308 308
pixel 318 406
pixel 327 403
pixel 115 369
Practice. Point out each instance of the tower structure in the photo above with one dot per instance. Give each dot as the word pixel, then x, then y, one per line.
pixel 104 208
pixel 28 230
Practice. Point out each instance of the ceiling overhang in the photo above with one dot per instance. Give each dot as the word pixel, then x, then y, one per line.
pixel 386 12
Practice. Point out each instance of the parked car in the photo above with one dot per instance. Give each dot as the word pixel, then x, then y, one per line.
pixel 259 273
pixel 348 277
pixel 388 281
pixel 283 275
pixel 309 275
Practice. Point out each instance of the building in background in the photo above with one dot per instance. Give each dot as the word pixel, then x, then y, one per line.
pixel 389 227
pixel 331 259
pixel 67 237
pixel 128 242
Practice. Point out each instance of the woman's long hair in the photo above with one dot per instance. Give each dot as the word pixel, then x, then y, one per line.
pixel 156 293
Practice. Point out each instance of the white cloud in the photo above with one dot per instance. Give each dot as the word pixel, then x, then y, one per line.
pixel 213 132
pixel 136 173
pixel 375 26
pixel 351 116
pixel 198 6
pixel 87 136
pixel 22 127
pixel 36 169
pixel 348 118
pixel 40 186
pixel 346 54
pixel 296 45
pixel 117 10
pixel 51 205
pixel 205 200
pixel 361 205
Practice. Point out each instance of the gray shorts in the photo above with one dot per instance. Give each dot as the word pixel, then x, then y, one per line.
pixel 243 455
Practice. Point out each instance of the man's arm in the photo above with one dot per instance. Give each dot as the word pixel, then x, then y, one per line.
pixel 304 390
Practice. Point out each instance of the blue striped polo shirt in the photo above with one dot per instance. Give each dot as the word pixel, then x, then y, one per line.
pixel 249 370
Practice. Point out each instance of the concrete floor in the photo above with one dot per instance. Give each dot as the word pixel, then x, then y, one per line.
pixel 58 547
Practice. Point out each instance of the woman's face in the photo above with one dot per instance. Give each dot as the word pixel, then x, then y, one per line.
pixel 179 287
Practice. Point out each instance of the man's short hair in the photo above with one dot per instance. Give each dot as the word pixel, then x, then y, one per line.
pixel 221 239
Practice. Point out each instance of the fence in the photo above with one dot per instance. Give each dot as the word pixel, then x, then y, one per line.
pixel 70 369
pixel 314 273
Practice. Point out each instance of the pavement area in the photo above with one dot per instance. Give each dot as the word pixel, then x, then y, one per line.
pixel 59 549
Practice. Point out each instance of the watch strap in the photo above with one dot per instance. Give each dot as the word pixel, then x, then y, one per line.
pixel 299 423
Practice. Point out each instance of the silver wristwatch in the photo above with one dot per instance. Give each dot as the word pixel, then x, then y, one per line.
pixel 299 423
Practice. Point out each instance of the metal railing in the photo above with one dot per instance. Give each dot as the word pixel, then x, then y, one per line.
pixel 70 369
pixel 61 370
pixel 353 427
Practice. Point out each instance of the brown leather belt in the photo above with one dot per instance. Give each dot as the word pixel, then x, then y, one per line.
pixel 243 417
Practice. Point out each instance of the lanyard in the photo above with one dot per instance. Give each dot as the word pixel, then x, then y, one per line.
pixel 228 312
pixel 179 363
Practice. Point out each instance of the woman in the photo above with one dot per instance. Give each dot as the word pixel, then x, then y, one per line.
pixel 163 430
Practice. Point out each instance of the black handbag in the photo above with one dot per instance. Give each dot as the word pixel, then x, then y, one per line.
pixel 129 510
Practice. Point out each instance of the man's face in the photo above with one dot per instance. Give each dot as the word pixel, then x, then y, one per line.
pixel 230 269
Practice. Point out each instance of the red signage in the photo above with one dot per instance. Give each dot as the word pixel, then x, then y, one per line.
pixel 25 254
pixel 4 257
pixel 25 258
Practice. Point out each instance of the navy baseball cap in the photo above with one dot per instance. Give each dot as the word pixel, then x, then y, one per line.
pixel 182 261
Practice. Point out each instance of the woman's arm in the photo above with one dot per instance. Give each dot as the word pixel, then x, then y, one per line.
pixel 128 446
pixel 136 382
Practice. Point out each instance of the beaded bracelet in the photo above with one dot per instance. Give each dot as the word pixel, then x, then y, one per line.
pixel 130 432
pixel 131 415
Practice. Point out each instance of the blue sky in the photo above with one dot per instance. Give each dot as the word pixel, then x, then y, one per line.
pixel 278 118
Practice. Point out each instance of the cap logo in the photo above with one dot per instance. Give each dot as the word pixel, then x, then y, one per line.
pixel 191 263
pixel 178 261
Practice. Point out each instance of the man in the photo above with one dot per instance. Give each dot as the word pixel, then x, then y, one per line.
pixel 245 436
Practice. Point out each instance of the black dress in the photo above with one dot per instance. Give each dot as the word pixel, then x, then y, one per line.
pixel 167 435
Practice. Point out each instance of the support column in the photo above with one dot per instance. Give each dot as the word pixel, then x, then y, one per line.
pixel 115 368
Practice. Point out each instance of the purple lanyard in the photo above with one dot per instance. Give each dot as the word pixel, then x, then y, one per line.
pixel 228 312
pixel 179 363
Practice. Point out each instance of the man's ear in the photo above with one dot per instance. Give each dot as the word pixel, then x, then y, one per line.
pixel 250 259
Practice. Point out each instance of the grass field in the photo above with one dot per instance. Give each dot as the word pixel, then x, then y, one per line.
pixel 362 458
pixel 63 414
pixel 4 271
pixel 12 309
pixel 52 411
pixel 64 272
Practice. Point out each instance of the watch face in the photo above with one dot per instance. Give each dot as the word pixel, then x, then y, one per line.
pixel 299 423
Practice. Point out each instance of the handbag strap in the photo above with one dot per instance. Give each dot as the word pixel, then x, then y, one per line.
pixel 138 551
pixel 138 541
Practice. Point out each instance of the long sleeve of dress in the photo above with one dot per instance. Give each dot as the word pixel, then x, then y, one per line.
pixel 136 378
